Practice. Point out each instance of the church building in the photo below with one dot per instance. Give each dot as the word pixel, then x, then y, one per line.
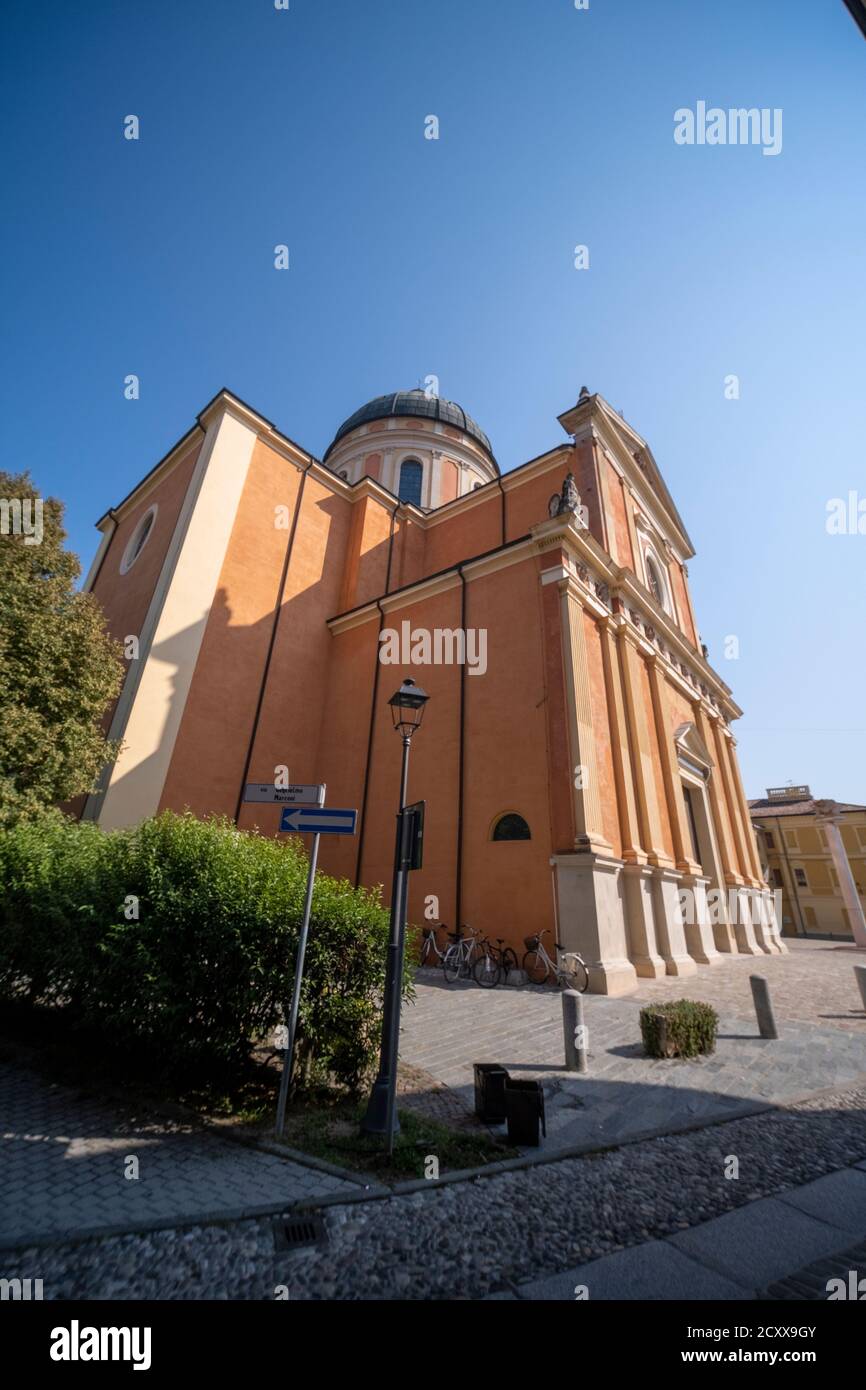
pixel 576 755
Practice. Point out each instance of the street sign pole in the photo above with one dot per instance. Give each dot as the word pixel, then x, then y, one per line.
pixel 299 979
pixel 381 1113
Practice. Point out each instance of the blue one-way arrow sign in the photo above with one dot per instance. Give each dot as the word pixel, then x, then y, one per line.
pixel 318 820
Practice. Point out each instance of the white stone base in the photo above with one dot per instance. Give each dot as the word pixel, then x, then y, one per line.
pixel 699 933
pixel 670 932
pixel 591 919
pixel 626 921
pixel 640 921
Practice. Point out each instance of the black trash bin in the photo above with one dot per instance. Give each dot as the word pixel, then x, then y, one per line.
pixel 490 1082
pixel 524 1107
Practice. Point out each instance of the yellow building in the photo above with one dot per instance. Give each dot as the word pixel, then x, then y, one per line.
pixel 815 852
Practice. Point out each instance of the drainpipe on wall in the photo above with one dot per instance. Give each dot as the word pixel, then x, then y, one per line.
pixel 458 891
pixel 502 494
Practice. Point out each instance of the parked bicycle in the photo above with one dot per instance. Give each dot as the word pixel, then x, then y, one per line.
pixel 460 955
pixel 494 963
pixel 570 974
pixel 430 951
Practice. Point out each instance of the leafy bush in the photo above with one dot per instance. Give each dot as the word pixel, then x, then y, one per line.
pixel 681 1028
pixel 179 937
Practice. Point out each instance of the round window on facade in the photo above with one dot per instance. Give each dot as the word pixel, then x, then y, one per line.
pixel 138 540
pixel 511 827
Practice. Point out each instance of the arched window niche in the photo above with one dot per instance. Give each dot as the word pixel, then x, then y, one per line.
pixel 510 826
pixel 411 478
pixel 657 580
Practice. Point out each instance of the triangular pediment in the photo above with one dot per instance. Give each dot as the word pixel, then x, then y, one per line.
pixel 689 742
pixel 634 455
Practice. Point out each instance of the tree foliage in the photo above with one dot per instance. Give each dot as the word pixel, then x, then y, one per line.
pixel 59 669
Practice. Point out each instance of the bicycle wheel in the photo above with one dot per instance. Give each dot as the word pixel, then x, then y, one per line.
pixel 578 977
pixel 487 972
pixel 452 964
pixel 508 960
pixel 536 967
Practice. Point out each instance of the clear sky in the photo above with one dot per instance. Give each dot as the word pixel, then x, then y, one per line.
pixel 455 257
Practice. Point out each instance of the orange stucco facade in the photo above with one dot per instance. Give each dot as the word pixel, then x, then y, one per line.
pixel 261 596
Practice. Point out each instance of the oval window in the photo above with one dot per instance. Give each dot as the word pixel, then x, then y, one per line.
pixel 138 540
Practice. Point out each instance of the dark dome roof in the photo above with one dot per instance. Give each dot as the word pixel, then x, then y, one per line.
pixel 416 403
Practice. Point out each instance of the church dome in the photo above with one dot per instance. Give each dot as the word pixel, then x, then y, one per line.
pixel 415 403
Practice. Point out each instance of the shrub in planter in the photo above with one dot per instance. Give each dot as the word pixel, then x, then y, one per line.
pixel 178 937
pixel 682 1028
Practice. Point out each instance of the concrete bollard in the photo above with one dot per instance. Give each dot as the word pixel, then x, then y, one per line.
pixel 860 973
pixel 763 1007
pixel 574 1031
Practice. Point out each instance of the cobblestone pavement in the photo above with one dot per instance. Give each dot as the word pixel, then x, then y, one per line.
pixel 813 983
pixel 625 1095
pixel 63 1158
pixel 650 1204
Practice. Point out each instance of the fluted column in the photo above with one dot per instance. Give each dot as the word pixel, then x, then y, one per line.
pixel 644 777
pixel 632 851
pixel 723 932
pixel 739 853
pixel 743 802
pixel 742 819
pixel 670 772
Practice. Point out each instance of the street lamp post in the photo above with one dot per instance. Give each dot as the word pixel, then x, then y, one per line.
pixel 407 711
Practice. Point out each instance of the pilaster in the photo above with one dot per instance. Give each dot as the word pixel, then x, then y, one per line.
pixel 589 823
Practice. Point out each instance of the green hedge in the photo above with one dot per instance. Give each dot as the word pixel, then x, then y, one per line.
pixel 206 967
pixel 682 1028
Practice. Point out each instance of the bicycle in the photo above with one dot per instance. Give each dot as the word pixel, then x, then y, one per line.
pixel 539 967
pixel 494 964
pixel 459 955
pixel 430 952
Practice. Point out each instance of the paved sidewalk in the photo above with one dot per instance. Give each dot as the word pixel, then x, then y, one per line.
pixel 758 1250
pixel 63 1160
pixel 812 983
pixel 625 1094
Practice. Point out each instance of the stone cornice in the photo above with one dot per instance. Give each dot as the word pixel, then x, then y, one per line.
pixel 513 554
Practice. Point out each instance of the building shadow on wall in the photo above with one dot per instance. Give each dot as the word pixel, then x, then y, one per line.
pixel 228 694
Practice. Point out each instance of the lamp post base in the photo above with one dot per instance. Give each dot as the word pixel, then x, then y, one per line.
pixel 375 1119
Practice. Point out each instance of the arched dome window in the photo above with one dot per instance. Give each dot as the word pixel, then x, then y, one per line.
pixel 411 475
pixel 511 827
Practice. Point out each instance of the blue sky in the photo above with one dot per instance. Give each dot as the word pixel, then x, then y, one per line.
pixel 455 257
